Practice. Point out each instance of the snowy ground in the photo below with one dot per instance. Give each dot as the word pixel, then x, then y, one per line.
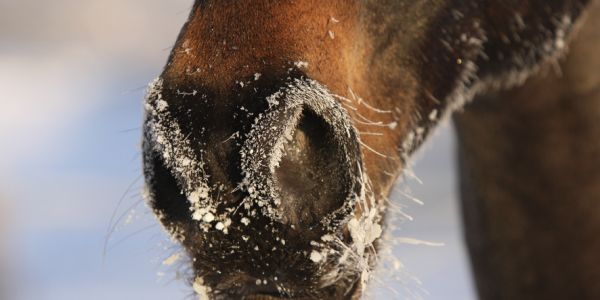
pixel 68 155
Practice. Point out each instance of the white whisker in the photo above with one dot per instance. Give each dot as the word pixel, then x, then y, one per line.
pixel 371 133
pixel 369 122
pixel 352 93
pixel 409 196
pixel 361 101
pixel 372 150
pixel 351 107
pixel 340 97
pixel 235 135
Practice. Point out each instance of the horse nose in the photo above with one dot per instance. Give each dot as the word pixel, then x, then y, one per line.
pixel 309 178
pixel 304 156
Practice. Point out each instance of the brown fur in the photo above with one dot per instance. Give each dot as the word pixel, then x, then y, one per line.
pixel 530 167
pixel 273 36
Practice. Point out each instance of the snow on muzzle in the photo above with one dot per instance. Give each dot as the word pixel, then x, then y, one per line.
pixel 300 163
pixel 289 226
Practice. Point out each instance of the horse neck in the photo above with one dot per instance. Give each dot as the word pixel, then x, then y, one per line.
pixel 530 182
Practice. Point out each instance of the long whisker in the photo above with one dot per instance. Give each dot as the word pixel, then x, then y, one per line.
pixel 364 145
pixel 108 230
pixel 361 101
pixel 130 235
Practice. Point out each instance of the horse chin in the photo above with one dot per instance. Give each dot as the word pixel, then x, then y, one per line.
pixel 243 287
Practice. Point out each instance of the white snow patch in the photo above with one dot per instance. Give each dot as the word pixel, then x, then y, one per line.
pixel 208 218
pixel 316 256
pixel 200 289
pixel 433 114
pixel 301 64
pixel 169 261
pixel 220 226
pixel 146 191
pixel 328 238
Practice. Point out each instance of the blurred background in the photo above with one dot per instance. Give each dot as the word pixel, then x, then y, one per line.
pixel 72 74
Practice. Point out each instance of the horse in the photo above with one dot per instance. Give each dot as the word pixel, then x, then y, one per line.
pixel 273 137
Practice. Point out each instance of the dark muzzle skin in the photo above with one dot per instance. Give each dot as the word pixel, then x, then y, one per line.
pixel 277 129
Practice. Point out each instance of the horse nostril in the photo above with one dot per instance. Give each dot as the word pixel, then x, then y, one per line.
pixel 302 160
pixel 310 178
pixel 168 201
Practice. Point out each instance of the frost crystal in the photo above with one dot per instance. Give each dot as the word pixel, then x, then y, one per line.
pixel 219 226
pixel 169 261
pixel 316 256
pixel 301 64
pixel 200 289
pixel 208 218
